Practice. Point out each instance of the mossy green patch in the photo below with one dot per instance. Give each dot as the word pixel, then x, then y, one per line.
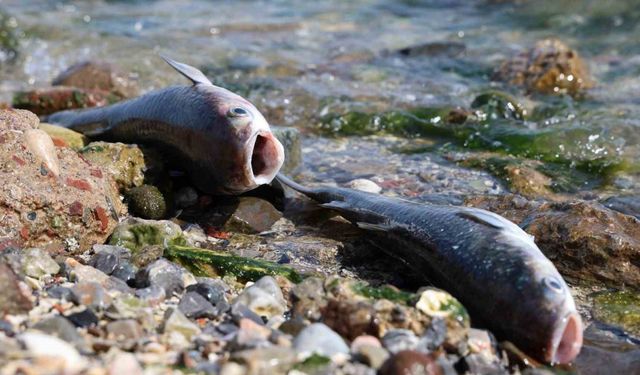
pixel 385 291
pixel 203 262
pixel 138 236
pixel 313 364
pixel 621 308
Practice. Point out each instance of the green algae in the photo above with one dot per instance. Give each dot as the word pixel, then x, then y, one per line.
pixel 313 364
pixel 138 236
pixel 383 292
pixel 211 263
pixel 620 308
pixel 495 105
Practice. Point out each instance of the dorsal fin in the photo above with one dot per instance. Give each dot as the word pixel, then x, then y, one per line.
pixel 193 74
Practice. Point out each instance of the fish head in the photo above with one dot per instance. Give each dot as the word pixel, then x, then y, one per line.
pixel 253 154
pixel 546 322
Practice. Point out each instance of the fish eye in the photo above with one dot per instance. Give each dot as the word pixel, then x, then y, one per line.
pixel 553 284
pixel 238 112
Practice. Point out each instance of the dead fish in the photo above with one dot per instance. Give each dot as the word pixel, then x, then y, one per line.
pixel 220 139
pixel 487 262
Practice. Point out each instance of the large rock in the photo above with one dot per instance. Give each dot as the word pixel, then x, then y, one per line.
pixel 54 99
pixel 550 67
pixel 99 75
pixel 585 240
pixel 50 197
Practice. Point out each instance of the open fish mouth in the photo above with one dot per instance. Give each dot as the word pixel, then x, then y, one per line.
pixel 567 339
pixel 265 156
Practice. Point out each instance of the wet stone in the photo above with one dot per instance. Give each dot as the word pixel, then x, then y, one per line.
pixel 91 294
pixel 177 323
pixel 107 257
pixel 365 185
pixel 240 311
pixel 290 139
pixel 97 75
pixel 264 298
pixel 626 204
pixel 212 292
pixel 434 336
pixel 372 356
pixel 147 202
pixel 195 306
pixel 409 362
pixel 250 335
pixel 165 274
pixel 146 255
pixel 252 215
pixel 81 273
pixel 319 339
pixel 397 340
pixel 126 272
pixel 83 319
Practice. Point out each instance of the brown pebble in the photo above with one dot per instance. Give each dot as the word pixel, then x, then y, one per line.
pixel 410 362
pixel 76 209
pixel 101 215
pixel 79 184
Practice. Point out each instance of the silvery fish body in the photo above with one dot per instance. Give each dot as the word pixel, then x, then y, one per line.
pixel 490 264
pixel 220 139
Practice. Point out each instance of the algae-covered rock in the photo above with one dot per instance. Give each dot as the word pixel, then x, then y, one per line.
pixel 129 165
pixel 620 308
pixel 495 105
pixel 50 100
pixel 290 139
pixel 147 202
pixel 63 137
pixel 50 197
pixel 549 67
pixel 9 37
pixel 135 233
pixel 97 75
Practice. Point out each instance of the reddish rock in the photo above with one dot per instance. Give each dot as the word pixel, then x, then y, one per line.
pixel 13 299
pixel 49 212
pixel 409 362
pixel 97 75
pixel 50 100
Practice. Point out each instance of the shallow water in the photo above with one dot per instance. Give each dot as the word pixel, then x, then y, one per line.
pixel 300 61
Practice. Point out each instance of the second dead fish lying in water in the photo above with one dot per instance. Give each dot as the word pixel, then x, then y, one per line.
pixel 221 140
pixel 487 262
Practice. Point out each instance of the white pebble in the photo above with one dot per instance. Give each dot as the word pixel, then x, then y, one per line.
pixel 365 185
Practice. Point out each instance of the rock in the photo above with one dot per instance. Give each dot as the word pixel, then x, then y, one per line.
pixel 124 363
pixel 123 330
pixel 239 311
pixel 214 293
pixel 107 258
pixel 79 209
pixel 319 339
pixel 146 255
pixel 154 295
pixel 166 275
pixel 81 273
pixel 129 165
pixel 60 292
pixel 372 356
pixel 588 242
pixel 147 202
pixel 54 99
pixel 618 308
pixel 37 263
pixel 63 137
pixel 176 324
pixel 397 340
pixel 126 272
pixel 134 233
pixel 98 75
pixel 14 299
pixel 273 360
pixel 91 294
pixel 252 215
pixel 195 306
pixel 550 67
pixel 250 335
pixel 43 347
pixel 264 298
pixel 83 319
pixel 626 204
pixel 290 139
pixel 434 49
pixel 363 184
pixel 409 362
pixel 61 328
pixel 480 364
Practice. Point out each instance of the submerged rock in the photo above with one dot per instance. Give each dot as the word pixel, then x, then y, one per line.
pixel 550 67
pixel 61 208
pixel 626 204
pixel 619 308
pixel 98 75
pixel 496 105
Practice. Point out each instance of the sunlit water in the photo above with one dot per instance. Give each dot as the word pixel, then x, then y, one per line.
pixel 301 60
